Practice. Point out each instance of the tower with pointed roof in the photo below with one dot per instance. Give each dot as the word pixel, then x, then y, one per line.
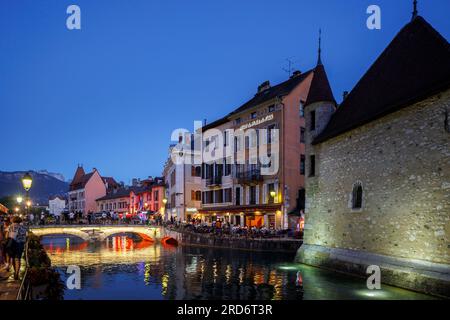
pixel 320 105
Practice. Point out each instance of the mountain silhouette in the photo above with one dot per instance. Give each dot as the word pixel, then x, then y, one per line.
pixel 44 186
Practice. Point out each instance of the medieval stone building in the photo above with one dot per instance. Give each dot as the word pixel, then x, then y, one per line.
pixel 378 168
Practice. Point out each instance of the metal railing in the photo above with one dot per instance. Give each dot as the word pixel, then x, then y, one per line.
pixel 214 181
pixel 24 292
pixel 248 175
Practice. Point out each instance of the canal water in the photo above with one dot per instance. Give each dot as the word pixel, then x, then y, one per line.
pixel 124 267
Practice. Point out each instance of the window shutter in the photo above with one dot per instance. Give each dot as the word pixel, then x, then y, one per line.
pixel 247 195
pixel 264 195
pixel 257 194
pixel 276 192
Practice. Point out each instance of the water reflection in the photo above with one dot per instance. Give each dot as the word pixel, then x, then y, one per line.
pixel 125 267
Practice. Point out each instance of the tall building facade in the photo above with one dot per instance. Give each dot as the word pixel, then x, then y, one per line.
pixel 242 189
pixel 84 190
pixel 183 189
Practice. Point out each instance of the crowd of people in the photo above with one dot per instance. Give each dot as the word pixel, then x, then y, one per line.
pixel 13 234
pixel 104 218
pixel 220 228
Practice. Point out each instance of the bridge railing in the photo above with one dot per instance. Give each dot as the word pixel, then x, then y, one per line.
pixel 24 292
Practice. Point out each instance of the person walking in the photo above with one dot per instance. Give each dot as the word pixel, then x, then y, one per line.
pixel 17 234
pixel 2 238
pixel 4 244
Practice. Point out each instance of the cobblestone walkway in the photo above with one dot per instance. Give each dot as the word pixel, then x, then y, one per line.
pixel 8 286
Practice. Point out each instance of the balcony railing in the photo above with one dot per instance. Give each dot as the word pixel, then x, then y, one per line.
pixel 248 176
pixel 214 181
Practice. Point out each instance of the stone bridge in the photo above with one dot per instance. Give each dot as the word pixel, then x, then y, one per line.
pixel 101 232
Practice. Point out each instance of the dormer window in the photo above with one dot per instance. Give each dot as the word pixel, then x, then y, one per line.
pixel 253 115
pixel 237 121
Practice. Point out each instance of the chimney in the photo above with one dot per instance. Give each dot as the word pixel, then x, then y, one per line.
pixel 296 73
pixel 263 86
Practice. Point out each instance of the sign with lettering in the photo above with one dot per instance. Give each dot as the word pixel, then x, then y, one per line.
pixel 256 122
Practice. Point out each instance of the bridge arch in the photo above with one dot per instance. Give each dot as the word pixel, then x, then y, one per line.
pixel 146 233
pixel 98 232
pixel 61 231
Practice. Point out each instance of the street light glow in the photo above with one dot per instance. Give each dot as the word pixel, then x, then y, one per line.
pixel 27 181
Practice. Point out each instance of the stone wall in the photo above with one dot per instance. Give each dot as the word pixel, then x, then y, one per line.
pixel 403 163
pixel 279 245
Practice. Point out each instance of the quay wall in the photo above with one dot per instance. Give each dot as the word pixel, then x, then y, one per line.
pixel 198 239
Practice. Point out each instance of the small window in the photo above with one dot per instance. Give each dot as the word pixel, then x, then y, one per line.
pixel 302 165
pixel 313 120
pixel 302 135
pixel 357 194
pixel 253 115
pixel 270 131
pixel 312 166
pixel 237 121
pixel 302 109
pixel 272 108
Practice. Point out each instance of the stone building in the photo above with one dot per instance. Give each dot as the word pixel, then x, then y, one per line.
pixel 182 189
pixel 378 168
pixel 56 205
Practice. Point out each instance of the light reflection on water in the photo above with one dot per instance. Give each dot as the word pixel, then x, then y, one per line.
pixel 123 267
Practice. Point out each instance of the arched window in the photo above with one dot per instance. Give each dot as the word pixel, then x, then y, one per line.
pixel 357 196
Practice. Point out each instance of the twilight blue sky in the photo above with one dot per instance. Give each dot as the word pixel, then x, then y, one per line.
pixel 109 95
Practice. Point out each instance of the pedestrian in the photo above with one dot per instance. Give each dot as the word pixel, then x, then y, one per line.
pixel 17 234
pixel 2 238
pixel 71 216
pixel 4 243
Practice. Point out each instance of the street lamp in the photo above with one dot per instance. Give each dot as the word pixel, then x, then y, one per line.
pixel 164 201
pixel 19 199
pixel 273 194
pixel 27 181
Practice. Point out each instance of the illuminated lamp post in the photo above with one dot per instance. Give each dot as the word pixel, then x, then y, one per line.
pixel 164 207
pixel 27 182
